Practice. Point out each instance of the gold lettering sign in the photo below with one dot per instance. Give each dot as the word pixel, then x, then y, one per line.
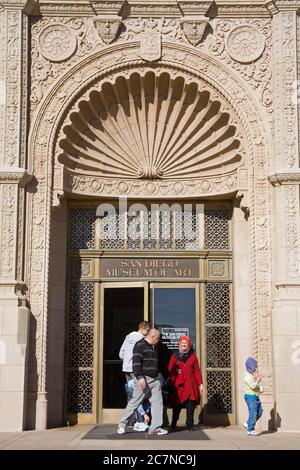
pixel 149 268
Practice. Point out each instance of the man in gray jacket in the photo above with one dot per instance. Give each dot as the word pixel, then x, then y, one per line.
pixel 126 351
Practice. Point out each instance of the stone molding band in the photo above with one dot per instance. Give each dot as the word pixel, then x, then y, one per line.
pixel 285 177
pixel 15 175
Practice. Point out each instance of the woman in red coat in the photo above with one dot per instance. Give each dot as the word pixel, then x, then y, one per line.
pixel 185 382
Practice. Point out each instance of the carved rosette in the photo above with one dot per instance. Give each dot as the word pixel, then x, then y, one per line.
pixel 107 29
pixel 194 30
pixel 57 42
pixel 245 44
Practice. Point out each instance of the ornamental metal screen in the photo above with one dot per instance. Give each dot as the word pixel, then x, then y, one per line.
pixel 218 348
pixel 80 348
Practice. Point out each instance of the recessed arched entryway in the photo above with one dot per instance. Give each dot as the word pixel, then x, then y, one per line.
pixel 186 139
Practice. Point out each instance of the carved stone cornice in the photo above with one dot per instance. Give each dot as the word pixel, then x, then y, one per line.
pixel 28 6
pixel 151 9
pixel 192 8
pixel 241 8
pixel 15 175
pixel 55 8
pixel 275 6
pixel 13 289
pixel 285 177
pixel 111 8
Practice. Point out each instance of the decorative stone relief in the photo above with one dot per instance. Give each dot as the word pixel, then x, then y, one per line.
pixel 257 74
pixel 13 77
pixel 194 30
pixel 245 44
pixel 81 268
pixel 150 46
pixel 217 269
pixel 292 230
pixel 285 66
pixel 168 28
pixel 44 72
pixel 13 139
pixel 108 187
pixel 57 42
pixel 107 29
pixel 2 86
pixel 8 195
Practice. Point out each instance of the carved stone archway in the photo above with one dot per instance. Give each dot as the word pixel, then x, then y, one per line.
pixel 248 177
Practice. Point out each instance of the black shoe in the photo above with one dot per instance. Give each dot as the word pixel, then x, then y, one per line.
pixel 189 428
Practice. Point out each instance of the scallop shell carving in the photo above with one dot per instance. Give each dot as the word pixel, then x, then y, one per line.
pixel 150 127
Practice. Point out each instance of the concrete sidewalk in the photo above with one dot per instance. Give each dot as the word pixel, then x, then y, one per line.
pixel 231 438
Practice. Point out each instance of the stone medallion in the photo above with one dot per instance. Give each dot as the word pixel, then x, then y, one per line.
pixel 57 42
pixel 245 44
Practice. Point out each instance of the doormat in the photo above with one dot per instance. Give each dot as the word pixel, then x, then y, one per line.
pixel 180 434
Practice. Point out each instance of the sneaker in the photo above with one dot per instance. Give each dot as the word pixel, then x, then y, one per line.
pixel 121 430
pixel 253 433
pixel 158 432
pixel 140 427
pixel 245 425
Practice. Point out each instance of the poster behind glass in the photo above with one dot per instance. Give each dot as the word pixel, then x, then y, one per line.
pixel 174 316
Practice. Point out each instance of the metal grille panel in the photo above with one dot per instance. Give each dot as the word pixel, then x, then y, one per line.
pixel 150 230
pixel 217 303
pixel 81 340
pixel 81 304
pixel 80 396
pixel 219 399
pixel 217 229
pixel 112 231
pixel 82 228
pixel 166 229
pixel 80 348
pixel 135 230
pixel 218 346
pixel 187 230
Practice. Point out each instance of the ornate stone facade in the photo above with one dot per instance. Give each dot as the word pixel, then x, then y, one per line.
pixel 66 118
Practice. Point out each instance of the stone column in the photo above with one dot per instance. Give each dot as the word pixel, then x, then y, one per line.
pixel 285 177
pixel 14 314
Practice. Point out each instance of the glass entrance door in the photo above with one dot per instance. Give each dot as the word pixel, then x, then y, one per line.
pixel 124 306
pixel 175 312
